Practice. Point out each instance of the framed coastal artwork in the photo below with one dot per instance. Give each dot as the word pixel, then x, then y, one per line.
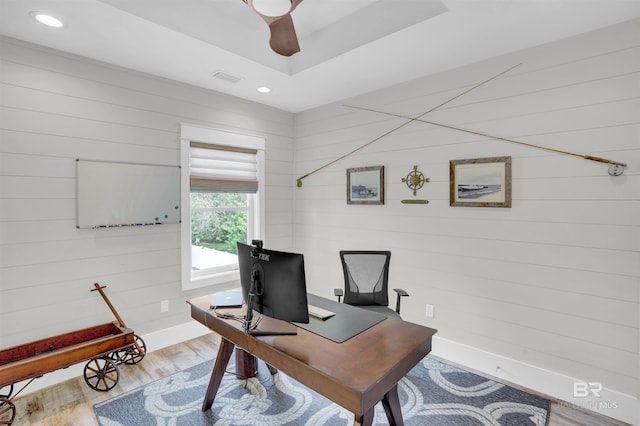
pixel 480 182
pixel 365 185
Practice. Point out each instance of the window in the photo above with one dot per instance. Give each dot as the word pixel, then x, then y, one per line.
pixel 221 174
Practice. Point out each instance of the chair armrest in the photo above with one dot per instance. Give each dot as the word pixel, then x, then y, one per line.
pixel 401 293
pixel 338 292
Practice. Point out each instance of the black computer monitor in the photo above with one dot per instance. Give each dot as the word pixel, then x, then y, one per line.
pixel 273 284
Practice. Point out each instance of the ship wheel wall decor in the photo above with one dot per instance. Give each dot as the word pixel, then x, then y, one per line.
pixel 415 180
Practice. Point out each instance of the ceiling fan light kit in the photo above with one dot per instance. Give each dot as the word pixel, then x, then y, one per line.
pixel 277 15
pixel 272 8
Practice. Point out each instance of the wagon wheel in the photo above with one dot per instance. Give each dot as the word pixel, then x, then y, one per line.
pixel 133 354
pixel 101 374
pixel 113 356
pixel 7 411
pixel 6 391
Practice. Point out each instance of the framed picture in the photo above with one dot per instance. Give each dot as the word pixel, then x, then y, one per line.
pixel 365 185
pixel 480 182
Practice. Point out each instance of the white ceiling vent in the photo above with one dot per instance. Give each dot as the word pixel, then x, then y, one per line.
pixel 226 76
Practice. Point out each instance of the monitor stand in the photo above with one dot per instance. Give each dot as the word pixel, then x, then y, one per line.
pixel 258 332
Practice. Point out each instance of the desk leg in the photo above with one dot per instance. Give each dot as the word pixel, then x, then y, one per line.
pixel 272 370
pixel 391 404
pixel 219 367
pixel 245 364
pixel 365 420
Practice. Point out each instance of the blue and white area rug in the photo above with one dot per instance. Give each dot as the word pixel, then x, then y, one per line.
pixel 433 393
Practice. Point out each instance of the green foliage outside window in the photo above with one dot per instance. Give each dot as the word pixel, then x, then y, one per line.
pixel 219 230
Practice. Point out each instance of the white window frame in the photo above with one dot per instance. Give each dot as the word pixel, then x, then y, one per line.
pixel 193 133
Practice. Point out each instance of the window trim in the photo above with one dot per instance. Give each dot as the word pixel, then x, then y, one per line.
pixel 194 133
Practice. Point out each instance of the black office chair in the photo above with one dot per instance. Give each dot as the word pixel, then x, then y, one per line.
pixel 366 279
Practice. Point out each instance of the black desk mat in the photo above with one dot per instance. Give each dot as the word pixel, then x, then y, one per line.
pixel 347 322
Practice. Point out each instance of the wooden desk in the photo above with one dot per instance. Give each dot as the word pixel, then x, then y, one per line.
pixel 356 374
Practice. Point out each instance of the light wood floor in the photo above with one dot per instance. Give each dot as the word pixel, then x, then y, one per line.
pixel 71 402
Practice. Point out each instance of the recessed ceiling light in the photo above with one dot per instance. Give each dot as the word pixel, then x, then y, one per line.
pixel 264 89
pixel 47 20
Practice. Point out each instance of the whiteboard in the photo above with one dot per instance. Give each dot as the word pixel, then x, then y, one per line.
pixel 126 194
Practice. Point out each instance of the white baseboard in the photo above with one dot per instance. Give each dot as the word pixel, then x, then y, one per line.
pixel 154 341
pixel 613 404
pixel 610 403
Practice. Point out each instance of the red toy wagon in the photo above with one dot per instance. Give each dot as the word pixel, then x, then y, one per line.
pixel 105 346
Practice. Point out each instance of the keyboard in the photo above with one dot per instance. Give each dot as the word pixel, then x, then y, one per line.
pixel 319 313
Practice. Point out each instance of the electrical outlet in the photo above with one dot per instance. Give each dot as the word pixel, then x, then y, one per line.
pixel 429 311
pixel 164 306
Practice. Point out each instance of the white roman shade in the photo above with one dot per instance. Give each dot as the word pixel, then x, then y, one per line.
pixel 215 168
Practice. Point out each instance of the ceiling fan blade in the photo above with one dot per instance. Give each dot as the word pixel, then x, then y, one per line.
pixel 284 40
pixel 294 4
pixel 283 36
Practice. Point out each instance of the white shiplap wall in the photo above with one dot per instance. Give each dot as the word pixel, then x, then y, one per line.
pixel 553 281
pixel 58 107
